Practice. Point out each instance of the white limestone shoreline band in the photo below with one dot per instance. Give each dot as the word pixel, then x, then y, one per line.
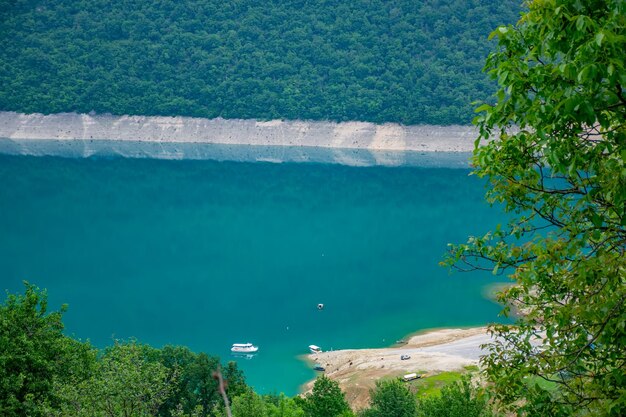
pixel 343 135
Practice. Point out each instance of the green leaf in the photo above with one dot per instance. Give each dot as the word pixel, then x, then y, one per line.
pixel 482 108
pixel 596 220
pixel 610 69
pixel 599 38
pixel 587 73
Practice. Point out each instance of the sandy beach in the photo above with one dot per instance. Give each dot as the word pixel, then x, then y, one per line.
pixel 357 370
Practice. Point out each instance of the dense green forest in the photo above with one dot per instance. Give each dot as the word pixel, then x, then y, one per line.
pixel 407 61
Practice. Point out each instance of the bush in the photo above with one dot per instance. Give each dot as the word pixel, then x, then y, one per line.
pixel 459 399
pixel 392 398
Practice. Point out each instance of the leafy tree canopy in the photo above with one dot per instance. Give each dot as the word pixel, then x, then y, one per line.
pixel 458 399
pixel 326 400
pixel 284 407
pixel 124 383
pixel 34 354
pixel 45 373
pixel 249 404
pixel 392 398
pixel 559 166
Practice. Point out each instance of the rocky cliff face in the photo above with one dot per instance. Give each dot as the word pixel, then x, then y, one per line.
pixel 352 143
pixel 347 135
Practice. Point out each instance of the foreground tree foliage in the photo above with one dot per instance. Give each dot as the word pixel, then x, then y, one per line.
pixel 124 383
pixel 458 399
pixel 44 373
pixel 195 386
pixel 282 406
pixel 391 398
pixel 559 167
pixel 326 400
pixel 34 354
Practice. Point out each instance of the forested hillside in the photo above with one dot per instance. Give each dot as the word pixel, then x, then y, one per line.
pixel 407 61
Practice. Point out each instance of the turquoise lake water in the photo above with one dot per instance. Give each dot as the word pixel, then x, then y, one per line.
pixel 206 254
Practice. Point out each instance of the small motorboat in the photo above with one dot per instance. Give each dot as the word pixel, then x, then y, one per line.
pixel 405 357
pixel 315 349
pixel 244 348
pixel 319 367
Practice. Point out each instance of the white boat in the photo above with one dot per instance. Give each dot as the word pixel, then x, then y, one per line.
pixel 315 349
pixel 244 348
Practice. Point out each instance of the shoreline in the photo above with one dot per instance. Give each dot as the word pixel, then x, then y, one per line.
pixel 232 153
pixel 431 351
pixel 288 133
pixel 438 335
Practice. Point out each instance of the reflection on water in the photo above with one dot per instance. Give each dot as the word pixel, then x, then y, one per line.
pixel 238 153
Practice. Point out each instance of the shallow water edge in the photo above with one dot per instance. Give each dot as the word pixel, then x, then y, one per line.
pixel 237 153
